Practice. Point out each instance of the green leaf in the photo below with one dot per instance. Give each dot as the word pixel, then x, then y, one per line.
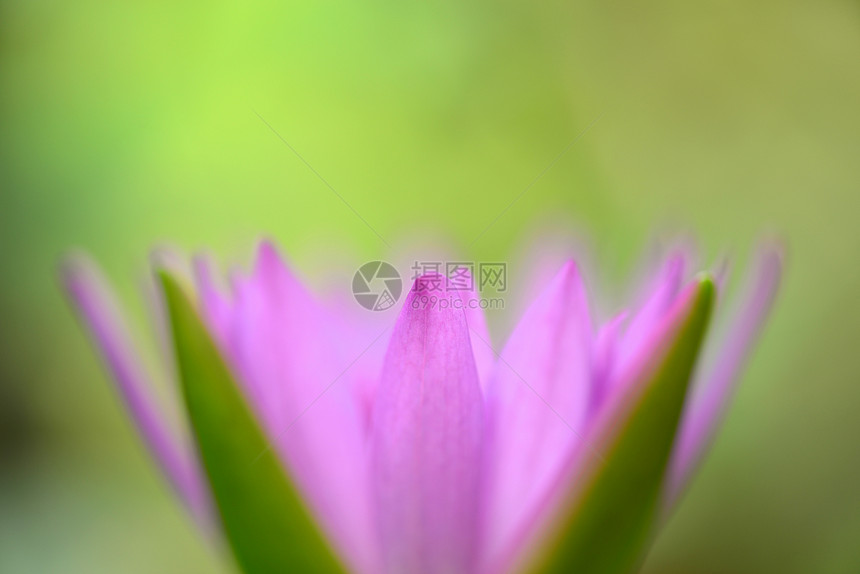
pixel 607 518
pixel 265 520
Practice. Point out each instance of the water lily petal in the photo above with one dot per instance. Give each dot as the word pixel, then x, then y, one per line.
pixel 605 352
pixel 538 402
pixel 663 292
pixel 293 362
pixel 215 306
pixel 479 334
pixel 99 311
pixel 263 516
pixel 426 442
pixel 715 385
pixel 598 515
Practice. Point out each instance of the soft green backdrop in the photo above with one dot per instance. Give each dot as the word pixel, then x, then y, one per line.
pixel 129 123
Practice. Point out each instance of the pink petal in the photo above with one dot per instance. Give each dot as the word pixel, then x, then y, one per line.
pixel 215 306
pixel 294 363
pixel 585 456
pixel 538 403
pixel 715 387
pixel 99 311
pixel 664 291
pixel 479 335
pixel 426 443
pixel 605 351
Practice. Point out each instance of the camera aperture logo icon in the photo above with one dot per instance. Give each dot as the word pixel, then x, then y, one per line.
pixel 377 286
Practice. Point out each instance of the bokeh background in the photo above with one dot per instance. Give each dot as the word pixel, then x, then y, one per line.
pixel 129 123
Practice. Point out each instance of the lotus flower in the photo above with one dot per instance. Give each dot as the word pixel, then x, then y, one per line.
pixel 307 448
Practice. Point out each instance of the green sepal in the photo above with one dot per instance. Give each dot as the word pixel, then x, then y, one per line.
pixel 264 518
pixel 606 520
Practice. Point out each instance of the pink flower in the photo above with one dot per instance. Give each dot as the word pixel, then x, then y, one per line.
pixel 419 449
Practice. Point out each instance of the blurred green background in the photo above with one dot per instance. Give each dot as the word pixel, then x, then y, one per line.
pixel 126 123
